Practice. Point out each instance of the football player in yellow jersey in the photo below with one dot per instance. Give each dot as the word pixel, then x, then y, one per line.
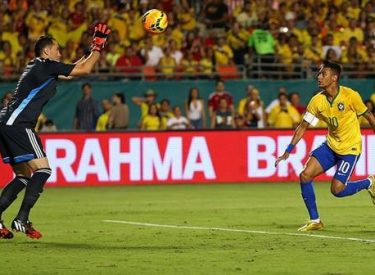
pixel 339 107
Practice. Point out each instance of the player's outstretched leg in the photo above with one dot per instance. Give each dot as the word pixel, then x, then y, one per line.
pixel 353 187
pixel 33 190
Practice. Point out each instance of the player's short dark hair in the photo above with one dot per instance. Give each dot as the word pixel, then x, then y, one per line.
pixel 41 43
pixel 335 67
pixel 121 97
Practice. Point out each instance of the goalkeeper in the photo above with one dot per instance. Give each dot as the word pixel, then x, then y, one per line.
pixel 20 146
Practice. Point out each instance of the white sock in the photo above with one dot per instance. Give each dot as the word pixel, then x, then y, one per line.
pixel 316 220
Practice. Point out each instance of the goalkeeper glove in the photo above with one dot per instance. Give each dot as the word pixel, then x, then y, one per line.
pixel 100 37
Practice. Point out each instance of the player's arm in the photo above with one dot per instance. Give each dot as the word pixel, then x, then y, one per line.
pixel 85 66
pixel 371 118
pixel 309 118
pixel 81 60
pixel 298 134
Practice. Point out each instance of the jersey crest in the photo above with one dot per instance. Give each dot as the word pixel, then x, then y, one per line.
pixel 341 106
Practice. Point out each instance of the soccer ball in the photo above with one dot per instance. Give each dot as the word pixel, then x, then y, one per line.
pixel 155 21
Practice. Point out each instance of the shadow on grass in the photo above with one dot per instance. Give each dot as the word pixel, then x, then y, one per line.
pixel 99 247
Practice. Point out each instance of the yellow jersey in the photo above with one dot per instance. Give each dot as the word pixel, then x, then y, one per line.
pixel 151 122
pixel 102 123
pixel 341 115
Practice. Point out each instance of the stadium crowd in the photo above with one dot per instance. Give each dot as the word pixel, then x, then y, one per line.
pixel 202 35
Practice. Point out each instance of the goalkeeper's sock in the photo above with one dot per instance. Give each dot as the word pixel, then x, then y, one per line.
pixel 10 192
pixel 353 187
pixel 308 195
pixel 33 190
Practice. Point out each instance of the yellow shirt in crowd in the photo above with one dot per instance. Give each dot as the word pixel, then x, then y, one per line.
pixel 287 118
pixel 102 122
pixel 152 123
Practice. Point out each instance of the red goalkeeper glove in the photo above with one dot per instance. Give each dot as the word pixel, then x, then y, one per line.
pixel 100 37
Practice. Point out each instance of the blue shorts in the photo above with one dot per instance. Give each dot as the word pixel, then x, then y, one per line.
pixel 328 158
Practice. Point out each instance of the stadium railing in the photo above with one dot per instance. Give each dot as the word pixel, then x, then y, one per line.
pixel 257 67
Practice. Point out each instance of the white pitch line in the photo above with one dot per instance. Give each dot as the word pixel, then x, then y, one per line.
pixel 241 230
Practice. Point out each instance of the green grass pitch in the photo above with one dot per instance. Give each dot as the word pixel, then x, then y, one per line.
pixel 77 241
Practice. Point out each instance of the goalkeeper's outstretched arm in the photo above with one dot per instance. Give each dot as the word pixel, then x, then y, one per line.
pixel 84 66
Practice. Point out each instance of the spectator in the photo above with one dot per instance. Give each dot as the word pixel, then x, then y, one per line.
pixel 284 115
pixel 275 102
pixel 119 113
pixel 191 41
pixel 177 121
pixel 194 108
pixel 354 54
pixel 263 44
pixel 36 21
pixel 48 127
pixel 187 18
pixel 151 53
pixel 207 64
pixel 165 108
pixel 175 51
pixel 87 110
pixel 370 32
pixel 144 102
pixel 284 51
pixel 102 124
pixel 130 63
pixel 222 118
pixel 329 45
pixel 239 122
pixel 6 99
pixel 59 24
pixel 295 101
pixel 247 17
pixel 244 101
pixel 167 64
pixel 254 110
pixel 6 55
pixel 314 51
pixel 237 38
pixel 362 120
pixel 152 121
pixel 353 31
pixel 215 14
pixel 223 53
pixel 331 55
pixel 215 97
pixel 189 66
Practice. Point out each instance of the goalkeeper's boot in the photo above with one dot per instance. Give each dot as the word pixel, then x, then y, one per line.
pixel 311 226
pixel 27 228
pixel 4 232
pixel 371 189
